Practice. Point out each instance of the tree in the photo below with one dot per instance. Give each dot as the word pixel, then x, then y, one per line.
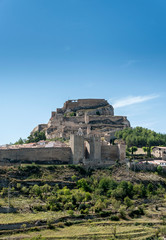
pixel 36 137
pixel 20 141
pixel 159 169
pixel 133 149
pixel 140 137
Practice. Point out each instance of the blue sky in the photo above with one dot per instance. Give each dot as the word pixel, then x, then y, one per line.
pixel 52 51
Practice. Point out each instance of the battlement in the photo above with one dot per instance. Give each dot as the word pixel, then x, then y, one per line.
pixel 75 105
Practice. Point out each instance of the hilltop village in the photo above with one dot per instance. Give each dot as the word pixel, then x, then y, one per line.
pixel 89 124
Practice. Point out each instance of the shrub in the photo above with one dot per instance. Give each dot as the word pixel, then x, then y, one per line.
pixel 159 169
pixel 122 212
pixel 60 224
pixel 74 178
pixel 115 203
pixel 104 213
pixel 38 207
pixel 4 192
pixel 114 218
pixel 24 190
pixel 69 206
pixel 128 202
pixel 88 196
pixel 18 186
pixel 98 113
pixel 50 224
pixel 136 212
pixel 70 212
pixel 99 206
pixel 106 184
pixel 83 184
pixel 36 190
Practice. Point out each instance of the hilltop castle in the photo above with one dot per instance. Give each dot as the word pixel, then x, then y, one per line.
pixel 92 116
pixel 90 125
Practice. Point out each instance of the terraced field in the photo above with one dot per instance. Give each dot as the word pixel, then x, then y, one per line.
pixel 142 229
pixel 68 202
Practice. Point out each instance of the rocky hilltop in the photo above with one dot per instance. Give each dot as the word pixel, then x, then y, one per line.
pixel 91 116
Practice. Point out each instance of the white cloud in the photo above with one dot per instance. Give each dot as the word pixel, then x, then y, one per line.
pixel 130 100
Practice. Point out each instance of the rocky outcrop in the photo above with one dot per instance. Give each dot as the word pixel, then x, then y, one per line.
pixel 93 116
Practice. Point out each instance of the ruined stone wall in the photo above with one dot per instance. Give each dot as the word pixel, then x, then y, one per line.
pixel 122 152
pixel 109 152
pixel 39 155
pixel 84 103
pixel 107 119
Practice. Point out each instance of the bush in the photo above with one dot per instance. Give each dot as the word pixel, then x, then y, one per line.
pixel 116 204
pixel 99 206
pixel 50 224
pixel 104 213
pixel 83 184
pixel 86 211
pixel 128 202
pixel 136 212
pixel 60 224
pixel 38 208
pixel 106 184
pixel 18 186
pixel 159 169
pixel 24 190
pixel 114 218
pixel 122 212
pixel 36 190
pixel 74 178
pixel 69 206
pixel 70 212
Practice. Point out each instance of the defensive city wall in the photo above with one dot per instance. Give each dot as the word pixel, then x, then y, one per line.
pixel 53 155
pixel 89 151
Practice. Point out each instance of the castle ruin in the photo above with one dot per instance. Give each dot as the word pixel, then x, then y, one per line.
pixel 90 125
pixel 93 116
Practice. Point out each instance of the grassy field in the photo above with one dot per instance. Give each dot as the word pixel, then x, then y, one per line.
pixel 140 229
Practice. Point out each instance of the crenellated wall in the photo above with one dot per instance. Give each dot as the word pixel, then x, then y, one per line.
pixel 84 103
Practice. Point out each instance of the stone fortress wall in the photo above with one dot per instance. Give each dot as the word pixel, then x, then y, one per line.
pixel 36 155
pixel 75 105
pixel 95 118
pixel 86 150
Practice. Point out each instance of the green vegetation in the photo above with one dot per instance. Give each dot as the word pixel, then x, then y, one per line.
pixel 59 200
pixel 36 137
pixel 141 137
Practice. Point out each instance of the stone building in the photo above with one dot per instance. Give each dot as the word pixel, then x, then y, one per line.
pixel 159 152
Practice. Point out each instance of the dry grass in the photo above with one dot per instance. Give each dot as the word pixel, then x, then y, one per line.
pixel 29 217
pixel 95 230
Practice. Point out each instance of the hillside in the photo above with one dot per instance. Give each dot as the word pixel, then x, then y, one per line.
pixel 141 137
pixel 70 202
